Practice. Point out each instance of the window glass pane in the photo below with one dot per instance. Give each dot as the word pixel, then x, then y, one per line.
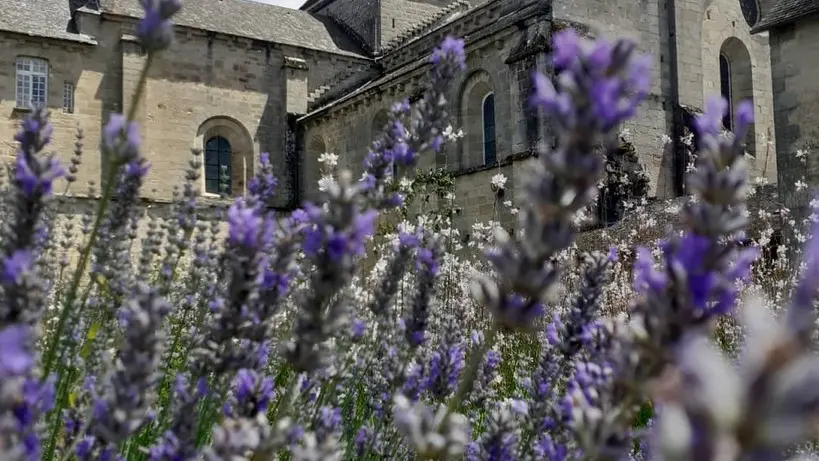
pixel 212 172
pixel 212 186
pixel 489 129
pixel 38 90
pixel 725 89
pixel 21 90
pixel 212 157
pixel 223 144
pixel 68 98
pixel 224 157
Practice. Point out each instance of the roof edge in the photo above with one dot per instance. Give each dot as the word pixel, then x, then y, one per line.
pixel 80 39
pixel 348 54
pixel 315 5
pixel 766 26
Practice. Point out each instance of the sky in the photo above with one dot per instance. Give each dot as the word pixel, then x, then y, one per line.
pixel 287 3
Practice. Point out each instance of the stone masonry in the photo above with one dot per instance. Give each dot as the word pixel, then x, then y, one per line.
pixel 793 27
pixel 298 83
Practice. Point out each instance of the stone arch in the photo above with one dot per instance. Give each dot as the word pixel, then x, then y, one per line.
pixel 737 82
pixel 314 148
pixel 475 92
pixel 239 146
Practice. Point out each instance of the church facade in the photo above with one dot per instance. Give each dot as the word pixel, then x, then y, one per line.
pixel 244 78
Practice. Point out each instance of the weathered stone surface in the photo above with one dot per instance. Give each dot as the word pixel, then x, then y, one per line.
pixel 245 71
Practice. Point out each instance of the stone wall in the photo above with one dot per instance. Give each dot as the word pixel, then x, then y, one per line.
pixel 400 15
pixel 205 85
pixel 361 16
pixel 701 28
pixel 68 62
pixel 725 28
pixel 796 108
pixel 348 129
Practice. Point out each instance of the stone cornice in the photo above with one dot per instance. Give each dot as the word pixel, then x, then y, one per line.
pixel 396 84
pixel 483 20
pixel 77 44
pixel 506 161
pixel 245 42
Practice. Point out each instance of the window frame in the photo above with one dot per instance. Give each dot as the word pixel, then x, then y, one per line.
pixel 218 164
pixel 727 91
pixel 751 10
pixel 37 67
pixel 68 97
pixel 494 141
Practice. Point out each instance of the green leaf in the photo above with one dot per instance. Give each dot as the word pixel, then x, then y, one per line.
pixel 89 339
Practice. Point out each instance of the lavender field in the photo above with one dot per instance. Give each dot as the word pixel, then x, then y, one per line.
pixel 364 327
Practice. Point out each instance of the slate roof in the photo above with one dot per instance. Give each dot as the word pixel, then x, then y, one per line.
pixel 785 12
pixel 426 24
pixel 39 18
pixel 372 84
pixel 258 21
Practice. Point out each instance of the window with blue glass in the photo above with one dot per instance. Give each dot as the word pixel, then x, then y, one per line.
pixel 750 10
pixel 725 89
pixel 217 160
pixel 489 144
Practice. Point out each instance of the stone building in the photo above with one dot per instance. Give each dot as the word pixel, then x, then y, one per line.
pixel 245 77
pixel 793 27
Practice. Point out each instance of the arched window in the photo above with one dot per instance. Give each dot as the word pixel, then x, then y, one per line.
pixel 217 161
pixel 489 145
pixel 725 89
pixel 750 9
pixel 477 119
pixel 736 83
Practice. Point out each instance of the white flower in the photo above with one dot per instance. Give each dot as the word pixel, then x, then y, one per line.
pixel 507 203
pixel 328 159
pixel 800 153
pixel 325 183
pixel 800 185
pixel 626 134
pixel 666 139
pixel 451 135
pixel 405 183
pixel 499 181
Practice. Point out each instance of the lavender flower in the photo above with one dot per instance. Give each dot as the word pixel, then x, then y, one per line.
pixel 333 240
pixel 428 255
pixel 572 333
pixel 599 88
pixel 251 396
pixel 155 30
pixel 394 273
pixel 178 443
pixel 500 441
pixel 411 131
pixel 700 270
pixel 121 139
pixel 432 434
pixel 237 438
pixel 125 408
pixel 766 406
